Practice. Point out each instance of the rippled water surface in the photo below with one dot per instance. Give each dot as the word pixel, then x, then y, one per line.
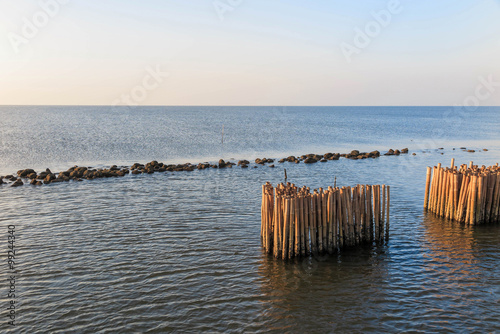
pixel 180 252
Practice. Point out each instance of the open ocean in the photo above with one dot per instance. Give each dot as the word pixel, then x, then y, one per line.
pixel 180 252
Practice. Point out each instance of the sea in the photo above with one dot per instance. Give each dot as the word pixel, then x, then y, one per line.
pixel 181 251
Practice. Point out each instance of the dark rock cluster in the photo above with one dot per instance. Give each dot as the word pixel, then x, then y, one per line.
pixel 77 173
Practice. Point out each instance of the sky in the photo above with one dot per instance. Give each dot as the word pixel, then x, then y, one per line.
pixel 250 52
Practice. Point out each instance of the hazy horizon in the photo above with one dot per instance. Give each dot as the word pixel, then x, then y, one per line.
pixel 242 53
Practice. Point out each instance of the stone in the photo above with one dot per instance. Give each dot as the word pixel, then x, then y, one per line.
pixel 354 152
pixel 485 149
pixel 17 183
pixel 414 153
pixel 243 162
pixel 397 152
pixel 244 166
pixel 323 160
pixel 310 160
pixel 471 151
pixel 390 152
pixel 25 172
pixel 272 166
pixel 404 150
pixel 222 163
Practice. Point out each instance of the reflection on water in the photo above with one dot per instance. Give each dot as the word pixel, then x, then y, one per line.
pixel 324 291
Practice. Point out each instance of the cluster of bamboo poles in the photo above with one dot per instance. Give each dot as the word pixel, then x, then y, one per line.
pixel 466 194
pixel 296 222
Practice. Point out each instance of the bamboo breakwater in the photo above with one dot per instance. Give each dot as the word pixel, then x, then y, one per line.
pixel 296 222
pixel 466 194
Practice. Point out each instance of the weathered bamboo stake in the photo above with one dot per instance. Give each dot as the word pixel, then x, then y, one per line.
pixel 297 226
pixel 442 193
pixel 479 200
pixel 432 194
pixel 335 220
pixel 388 207
pixel 330 221
pixel 376 212
pixel 456 190
pixel 354 203
pixel 359 212
pixel 340 219
pixel 350 223
pixel 302 226
pixel 314 226
pixel 491 188
pixel 472 218
pixel 343 206
pixel 270 200
pixel 291 241
pixel 363 212
pixel 307 207
pixel 496 199
pixel 286 229
pixel 319 221
pixel 324 211
pixel 427 187
pixel 463 198
pixel 276 225
pixel 263 215
pixel 383 211
pixel 370 212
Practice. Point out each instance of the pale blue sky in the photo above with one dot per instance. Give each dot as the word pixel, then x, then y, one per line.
pixel 256 52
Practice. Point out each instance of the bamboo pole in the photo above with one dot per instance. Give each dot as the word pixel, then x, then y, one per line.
pixel 388 209
pixel 314 227
pixel 291 241
pixel 427 187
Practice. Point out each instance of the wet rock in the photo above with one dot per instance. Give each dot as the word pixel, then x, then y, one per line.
pixel 1 181
pixel 485 149
pixel 78 180
pixel 135 172
pixel 203 165
pixel 49 177
pixel 471 151
pixel 355 152
pixel 39 183
pixel 114 167
pixel 328 156
pixel 272 166
pixel 282 160
pixel 244 166
pixel 33 182
pixel 10 177
pixel 414 153
pixel 254 166
pixel 136 165
pixel 17 183
pixel 397 152
pixel 243 162
pixel 390 152
pixel 25 172
pixel 323 160
pixel 310 160
pixel 222 163
pixel 463 148
pixel 404 150
pixel 441 148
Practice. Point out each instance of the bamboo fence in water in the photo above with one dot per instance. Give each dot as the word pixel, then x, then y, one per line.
pixel 466 194
pixel 296 222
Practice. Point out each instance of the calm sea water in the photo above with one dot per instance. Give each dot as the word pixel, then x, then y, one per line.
pixel 180 252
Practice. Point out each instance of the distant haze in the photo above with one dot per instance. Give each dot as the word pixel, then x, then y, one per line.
pixel 250 52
